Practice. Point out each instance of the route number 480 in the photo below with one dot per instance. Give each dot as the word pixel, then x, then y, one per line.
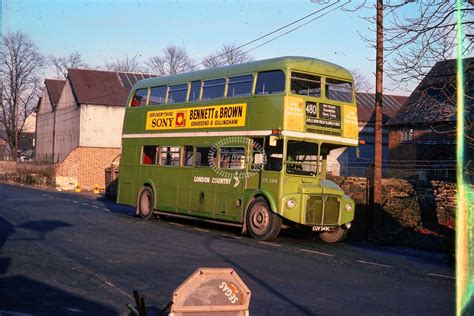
pixel 311 108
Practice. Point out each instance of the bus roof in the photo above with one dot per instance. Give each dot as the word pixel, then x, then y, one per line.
pixel 294 62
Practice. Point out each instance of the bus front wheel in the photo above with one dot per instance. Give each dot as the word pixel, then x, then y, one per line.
pixel 145 203
pixel 336 235
pixel 262 223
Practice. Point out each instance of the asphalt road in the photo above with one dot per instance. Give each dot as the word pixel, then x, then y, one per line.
pixel 78 254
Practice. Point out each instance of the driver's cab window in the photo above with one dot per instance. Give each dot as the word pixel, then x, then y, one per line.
pixel 302 158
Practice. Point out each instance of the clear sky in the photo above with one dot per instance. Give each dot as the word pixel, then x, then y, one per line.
pixel 103 31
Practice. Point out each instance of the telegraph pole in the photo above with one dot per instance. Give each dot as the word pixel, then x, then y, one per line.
pixel 377 195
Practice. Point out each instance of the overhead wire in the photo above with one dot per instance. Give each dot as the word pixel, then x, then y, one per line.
pixel 298 27
pixel 275 31
pixel 268 34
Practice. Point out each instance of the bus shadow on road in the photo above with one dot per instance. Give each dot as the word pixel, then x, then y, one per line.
pixel 116 208
pixel 43 227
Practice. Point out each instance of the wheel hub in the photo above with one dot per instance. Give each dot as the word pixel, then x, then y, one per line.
pixel 260 219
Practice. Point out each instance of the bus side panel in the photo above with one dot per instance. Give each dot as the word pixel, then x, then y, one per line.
pixel 202 200
pixel 185 180
pixel 167 183
pixel 265 113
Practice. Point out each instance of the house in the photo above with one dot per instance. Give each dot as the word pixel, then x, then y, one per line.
pixel 80 124
pixel 345 161
pixel 45 120
pixel 424 130
pixel 26 140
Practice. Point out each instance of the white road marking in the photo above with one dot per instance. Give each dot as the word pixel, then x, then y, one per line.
pixel 442 276
pixel 375 264
pixel 106 209
pixel 201 230
pixel 95 206
pixel 12 313
pixel 231 236
pixel 85 204
pixel 75 202
pixel 317 252
pixel 270 243
pixel 176 224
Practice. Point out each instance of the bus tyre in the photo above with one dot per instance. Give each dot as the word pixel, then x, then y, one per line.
pixel 262 223
pixel 145 203
pixel 336 235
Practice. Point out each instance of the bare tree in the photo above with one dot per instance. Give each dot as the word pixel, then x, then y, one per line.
pixel 126 64
pixel 228 54
pixel 174 60
pixel 413 44
pixel 361 82
pixel 20 66
pixel 60 64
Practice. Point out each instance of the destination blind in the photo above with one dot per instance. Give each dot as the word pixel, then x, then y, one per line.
pixel 215 116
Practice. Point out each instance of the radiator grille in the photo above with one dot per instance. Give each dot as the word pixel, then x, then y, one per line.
pixel 316 214
pixel 314 210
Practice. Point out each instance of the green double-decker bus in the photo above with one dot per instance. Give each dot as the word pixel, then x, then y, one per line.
pixel 242 145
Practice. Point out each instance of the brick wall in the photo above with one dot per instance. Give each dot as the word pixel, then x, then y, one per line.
pixel 414 213
pixel 86 166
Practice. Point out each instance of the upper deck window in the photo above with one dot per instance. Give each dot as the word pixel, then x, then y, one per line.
pixel 177 93
pixel 269 82
pixel 338 90
pixel 139 98
pixel 195 90
pixel 157 95
pixel 240 86
pixel 304 84
pixel 213 89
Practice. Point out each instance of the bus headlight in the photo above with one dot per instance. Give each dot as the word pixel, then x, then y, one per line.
pixel 291 203
pixel 348 207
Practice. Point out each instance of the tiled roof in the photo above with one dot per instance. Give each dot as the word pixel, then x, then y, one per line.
pixel 102 87
pixel 434 100
pixel 366 104
pixel 54 87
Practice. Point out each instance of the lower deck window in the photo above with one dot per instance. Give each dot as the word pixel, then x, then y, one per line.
pixel 169 156
pixel 204 156
pixel 232 158
pixel 149 155
pixel 188 156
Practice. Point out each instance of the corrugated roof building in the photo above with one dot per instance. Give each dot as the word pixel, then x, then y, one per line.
pixel 80 123
pixel 344 161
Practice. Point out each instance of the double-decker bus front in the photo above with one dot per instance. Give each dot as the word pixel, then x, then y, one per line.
pixel 319 115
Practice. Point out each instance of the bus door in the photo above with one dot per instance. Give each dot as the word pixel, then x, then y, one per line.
pixel 202 193
pixel 167 181
pixel 270 175
pixel 230 181
pixel 185 177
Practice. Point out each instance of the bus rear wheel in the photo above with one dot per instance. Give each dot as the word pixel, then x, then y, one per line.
pixel 262 223
pixel 338 234
pixel 145 203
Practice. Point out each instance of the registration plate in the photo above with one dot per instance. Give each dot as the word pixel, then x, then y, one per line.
pixel 322 228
